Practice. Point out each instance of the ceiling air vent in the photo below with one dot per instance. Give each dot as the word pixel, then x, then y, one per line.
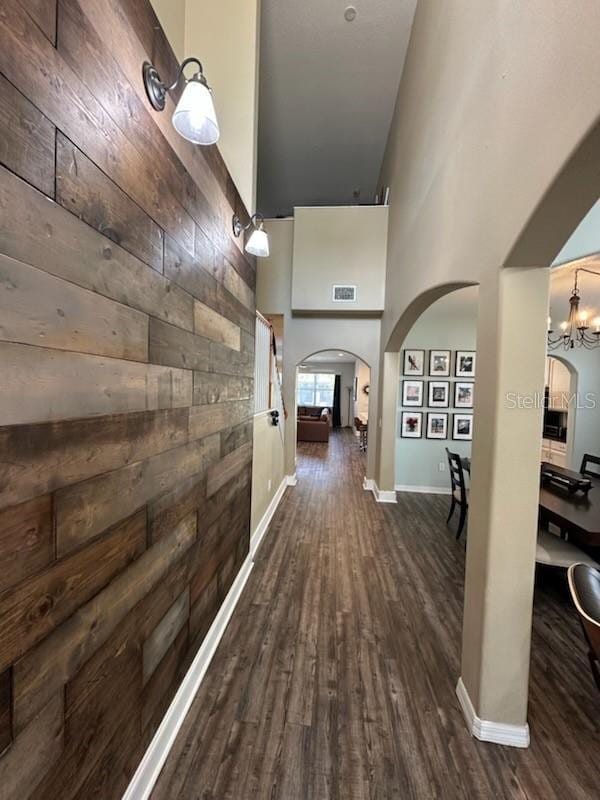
pixel 344 293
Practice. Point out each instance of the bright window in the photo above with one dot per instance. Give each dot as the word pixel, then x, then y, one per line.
pixel 315 389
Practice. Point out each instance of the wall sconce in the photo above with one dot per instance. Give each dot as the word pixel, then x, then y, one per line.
pixel 258 243
pixel 194 117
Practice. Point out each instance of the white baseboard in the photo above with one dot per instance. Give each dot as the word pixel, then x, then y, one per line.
pixel 487 731
pixel 402 487
pixel 292 480
pixel 263 525
pixel 382 496
pixel 155 756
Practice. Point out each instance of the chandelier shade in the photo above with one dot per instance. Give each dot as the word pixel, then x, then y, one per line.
pixel 578 330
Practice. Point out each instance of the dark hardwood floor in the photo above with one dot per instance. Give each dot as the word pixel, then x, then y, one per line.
pixel 336 675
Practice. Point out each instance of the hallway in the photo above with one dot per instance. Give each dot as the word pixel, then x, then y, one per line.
pixel 336 675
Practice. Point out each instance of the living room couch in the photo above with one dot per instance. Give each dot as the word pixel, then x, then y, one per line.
pixel 313 424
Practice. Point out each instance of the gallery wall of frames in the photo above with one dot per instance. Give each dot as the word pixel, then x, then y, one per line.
pixel 437 394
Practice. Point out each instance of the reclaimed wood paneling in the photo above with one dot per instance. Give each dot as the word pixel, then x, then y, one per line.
pixel 26 540
pixel 227 468
pixel 165 633
pixel 213 388
pixel 126 343
pixel 36 607
pixel 46 236
pixel 192 274
pixel 84 510
pixel 36 459
pixel 39 309
pixel 26 139
pixel 5 702
pixel 214 326
pixel 44 14
pixel 51 385
pixel 34 750
pixel 84 190
pixel 170 508
pixel 55 661
pixel 215 417
pixel 56 89
pixel 174 347
pixel 158 692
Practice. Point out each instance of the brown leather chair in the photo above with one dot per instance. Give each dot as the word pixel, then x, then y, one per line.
pixel 584 584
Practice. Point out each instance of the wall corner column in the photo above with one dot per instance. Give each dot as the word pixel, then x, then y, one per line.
pixel 502 529
pixel 385 456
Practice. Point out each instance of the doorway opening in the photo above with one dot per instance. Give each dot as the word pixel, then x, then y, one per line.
pixel 332 398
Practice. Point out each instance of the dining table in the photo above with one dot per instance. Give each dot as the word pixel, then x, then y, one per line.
pixel 575 513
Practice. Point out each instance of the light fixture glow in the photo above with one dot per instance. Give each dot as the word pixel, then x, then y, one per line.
pixel 258 242
pixel 194 117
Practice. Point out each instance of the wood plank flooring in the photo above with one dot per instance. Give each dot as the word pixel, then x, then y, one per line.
pixel 335 678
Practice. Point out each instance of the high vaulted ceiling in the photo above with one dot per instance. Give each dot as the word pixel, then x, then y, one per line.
pixel 327 94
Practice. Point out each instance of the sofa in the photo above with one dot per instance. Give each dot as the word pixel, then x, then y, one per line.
pixel 313 424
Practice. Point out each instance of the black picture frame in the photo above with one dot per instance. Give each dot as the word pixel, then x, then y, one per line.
pixel 456 419
pixel 459 370
pixel 431 414
pixel 458 386
pixel 419 415
pixel 436 373
pixel 406 356
pixel 409 404
pixel 431 386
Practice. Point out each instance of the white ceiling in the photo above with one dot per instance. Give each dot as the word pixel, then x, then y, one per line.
pixel 327 94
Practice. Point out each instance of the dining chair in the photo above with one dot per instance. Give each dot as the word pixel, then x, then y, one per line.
pixel 460 494
pixel 362 429
pixel 584 585
pixel 590 459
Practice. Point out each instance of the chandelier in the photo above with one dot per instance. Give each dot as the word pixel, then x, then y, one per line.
pixel 578 330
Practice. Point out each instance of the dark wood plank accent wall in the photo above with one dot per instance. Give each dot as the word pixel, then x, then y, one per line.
pixel 126 399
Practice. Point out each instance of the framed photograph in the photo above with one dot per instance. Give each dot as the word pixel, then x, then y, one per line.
pixel 462 427
pixel 437 425
pixel 414 362
pixel 412 425
pixel 412 393
pixel 439 394
pixel 465 363
pixel 463 394
pixel 439 363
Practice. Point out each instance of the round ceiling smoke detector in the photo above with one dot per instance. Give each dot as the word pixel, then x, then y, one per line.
pixel 350 14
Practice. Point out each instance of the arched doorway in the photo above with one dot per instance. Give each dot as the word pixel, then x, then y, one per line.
pixel 331 391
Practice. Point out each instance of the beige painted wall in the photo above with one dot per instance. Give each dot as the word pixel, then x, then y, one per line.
pixel 468 166
pixel 267 465
pixel 344 245
pixel 224 35
pixel 475 161
pixel 361 406
pixel 304 336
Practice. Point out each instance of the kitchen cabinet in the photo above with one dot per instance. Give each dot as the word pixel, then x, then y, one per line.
pixel 558 381
pixel 554 452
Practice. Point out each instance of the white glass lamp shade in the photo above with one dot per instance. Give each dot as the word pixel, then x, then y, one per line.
pixel 258 243
pixel 195 118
